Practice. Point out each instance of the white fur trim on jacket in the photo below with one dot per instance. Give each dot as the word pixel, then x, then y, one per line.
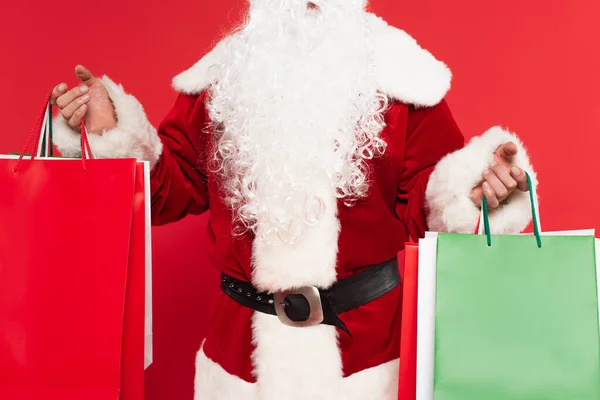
pixel 448 195
pixel 133 137
pixel 214 383
pixel 311 260
pixel 403 69
pixel 199 76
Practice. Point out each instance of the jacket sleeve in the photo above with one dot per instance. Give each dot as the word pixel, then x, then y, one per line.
pixel 434 192
pixel 431 133
pixel 176 151
pixel 179 179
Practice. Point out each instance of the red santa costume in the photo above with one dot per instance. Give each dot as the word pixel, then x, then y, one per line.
pixel 320 142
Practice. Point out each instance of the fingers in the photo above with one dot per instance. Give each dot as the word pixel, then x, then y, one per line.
pixel 521 178
pixel 490 195
pixel 68 111
pixel 504 175
pixel 65 99
pixel 511 177
pixel 75 120
pixel 485 190
pixel 499 182
pixel 501 179
pixel 500 191
pixel 58 91
pixel 477 196
pixel 84 75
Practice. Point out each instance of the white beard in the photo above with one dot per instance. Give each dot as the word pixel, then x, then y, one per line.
pixel 294 100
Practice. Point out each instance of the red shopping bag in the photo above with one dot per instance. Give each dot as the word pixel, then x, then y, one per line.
pixel 408 340
pixel 136 312
pixel 72 258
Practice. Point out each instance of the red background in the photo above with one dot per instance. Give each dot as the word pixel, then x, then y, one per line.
pixel 530 65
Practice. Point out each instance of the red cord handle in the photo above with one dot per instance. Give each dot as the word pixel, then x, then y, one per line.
pixel 86 150
pixel 36 133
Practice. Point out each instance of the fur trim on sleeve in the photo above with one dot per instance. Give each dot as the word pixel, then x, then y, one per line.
pixel 448 195
pixel 133 137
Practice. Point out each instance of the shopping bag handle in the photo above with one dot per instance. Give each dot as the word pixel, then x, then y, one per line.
pixel 534 213
pixel 46 114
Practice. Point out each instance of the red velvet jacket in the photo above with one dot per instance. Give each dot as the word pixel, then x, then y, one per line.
pixel 372 231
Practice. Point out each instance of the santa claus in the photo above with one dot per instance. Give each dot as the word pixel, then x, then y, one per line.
pixel 318 138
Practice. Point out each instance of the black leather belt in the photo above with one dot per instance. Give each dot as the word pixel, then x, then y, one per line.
pixel 309 305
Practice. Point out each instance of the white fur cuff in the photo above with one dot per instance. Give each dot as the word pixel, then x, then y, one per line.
pixel 133 137
pixel 448 195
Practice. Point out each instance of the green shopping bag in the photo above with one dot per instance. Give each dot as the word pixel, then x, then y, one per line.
pixel 516 317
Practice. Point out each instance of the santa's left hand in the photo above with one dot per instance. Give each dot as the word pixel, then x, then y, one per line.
pixel 501 179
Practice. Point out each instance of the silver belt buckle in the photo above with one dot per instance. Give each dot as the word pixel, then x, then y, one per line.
pixel 312 295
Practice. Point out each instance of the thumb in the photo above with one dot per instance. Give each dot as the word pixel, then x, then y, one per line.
pixel 84 75
pixel 507 150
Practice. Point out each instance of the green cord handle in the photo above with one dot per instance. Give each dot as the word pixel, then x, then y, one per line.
pixel 486 220
pixel 51 144
pixel 536 223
